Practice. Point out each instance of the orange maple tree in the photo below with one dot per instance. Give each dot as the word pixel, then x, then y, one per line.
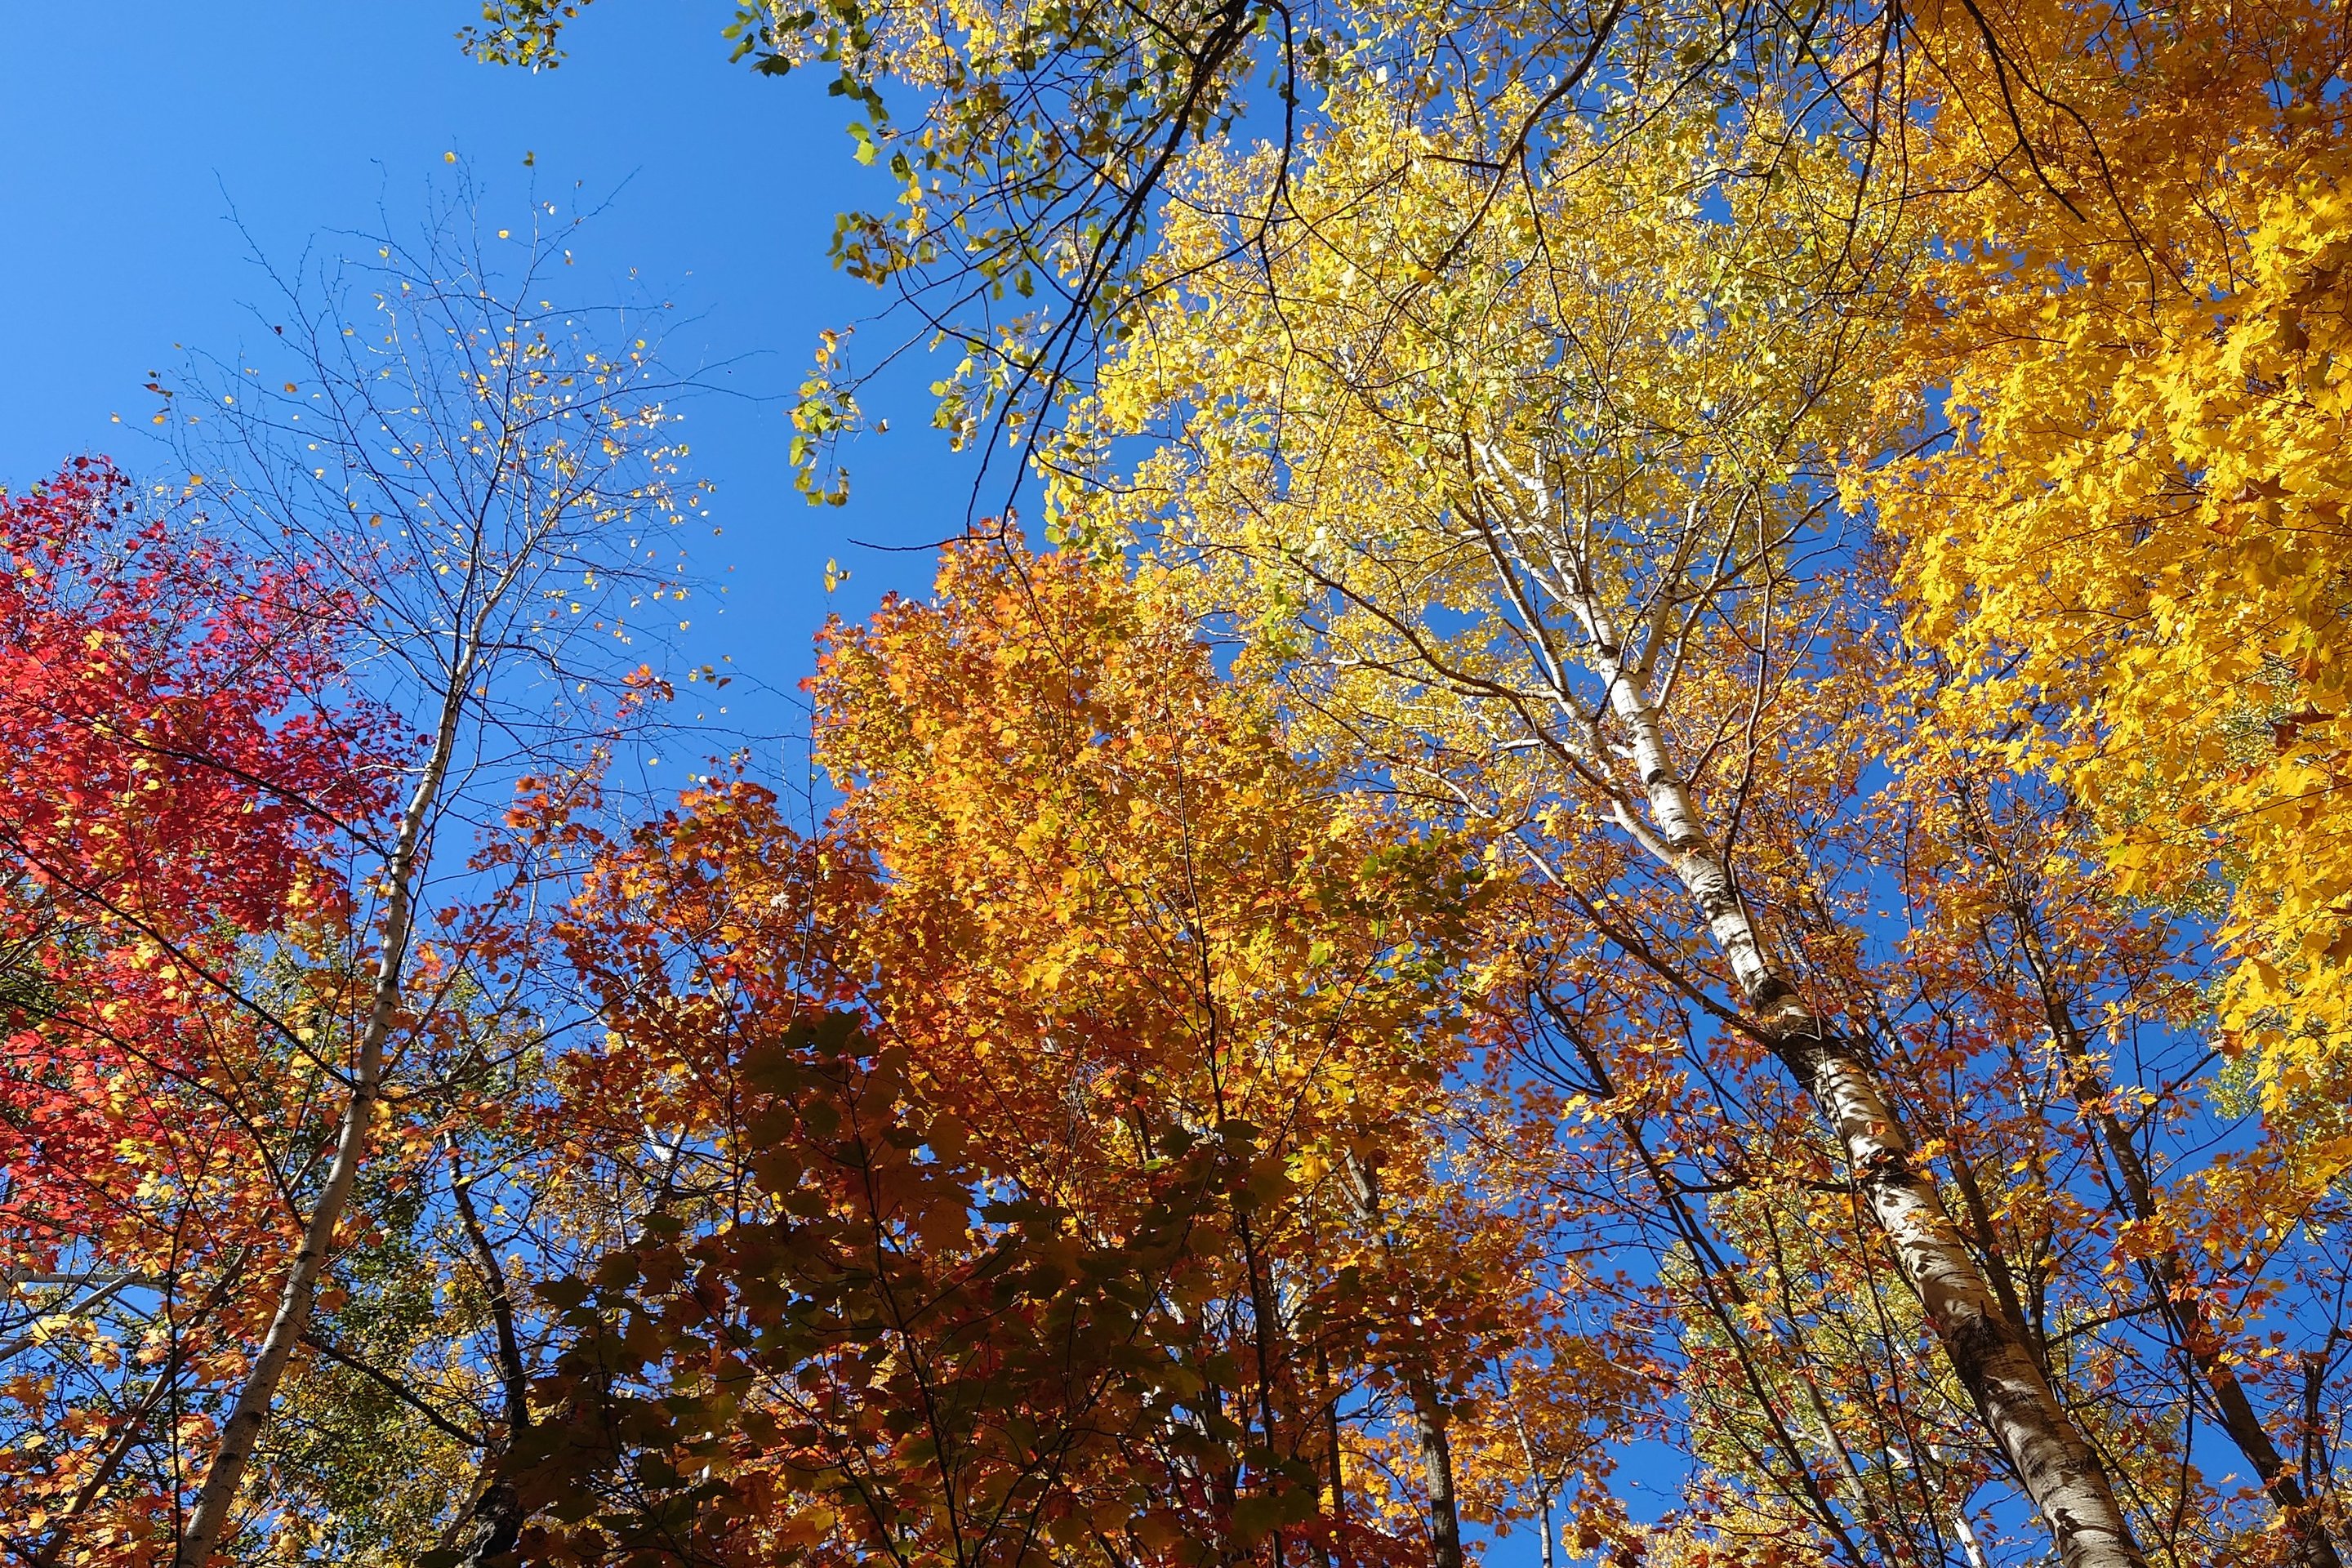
pixel 1143 1035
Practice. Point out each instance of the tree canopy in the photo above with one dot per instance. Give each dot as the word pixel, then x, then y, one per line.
pixel 1657 851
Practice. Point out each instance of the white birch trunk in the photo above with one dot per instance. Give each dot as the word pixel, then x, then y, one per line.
pixel 2062 1475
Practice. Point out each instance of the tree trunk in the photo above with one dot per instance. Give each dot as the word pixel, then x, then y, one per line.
pixel 1338 1479
pixel 491 1528
pixel 1429 1430
pixel 494 1524
pixel 1264 1327
pixel 2057 1466
pixel 241 1433
pixel 2169 1275
pixel 1430 1417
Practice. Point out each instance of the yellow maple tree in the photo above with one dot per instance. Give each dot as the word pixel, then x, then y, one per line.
pixel 2134 535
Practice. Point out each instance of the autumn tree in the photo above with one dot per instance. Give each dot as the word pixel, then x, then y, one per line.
pixel 186 755
pixel 2136 514
pixel 2050 1040
pixel 328 992
pixel 1490 379
pixel 1176 1009
pixel 495 477
pixel 2130 526
pixel 1109 856
pixel 1534 510
pixel 837 1332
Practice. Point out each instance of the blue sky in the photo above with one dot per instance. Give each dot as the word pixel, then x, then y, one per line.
pixel 129 144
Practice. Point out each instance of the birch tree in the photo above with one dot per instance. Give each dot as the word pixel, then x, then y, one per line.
pixel 1507 501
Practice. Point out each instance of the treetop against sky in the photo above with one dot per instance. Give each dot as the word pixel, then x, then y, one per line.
pixel 1084 787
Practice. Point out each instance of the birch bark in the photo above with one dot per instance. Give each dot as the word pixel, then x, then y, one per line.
pixel 2061 1473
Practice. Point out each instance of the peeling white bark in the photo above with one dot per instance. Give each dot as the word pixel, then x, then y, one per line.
pixel 2061 1473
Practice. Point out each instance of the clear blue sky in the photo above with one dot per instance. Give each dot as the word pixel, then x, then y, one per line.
pixel 129 142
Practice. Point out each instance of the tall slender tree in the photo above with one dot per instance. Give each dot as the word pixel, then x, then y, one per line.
pixel 1519 499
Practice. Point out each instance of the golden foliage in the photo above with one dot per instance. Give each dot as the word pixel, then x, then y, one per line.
pixel 2139 335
